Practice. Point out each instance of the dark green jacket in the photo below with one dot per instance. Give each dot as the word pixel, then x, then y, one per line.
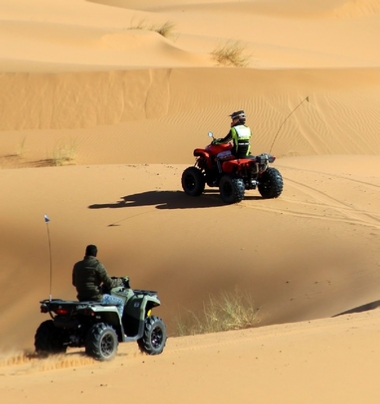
pixel 88 275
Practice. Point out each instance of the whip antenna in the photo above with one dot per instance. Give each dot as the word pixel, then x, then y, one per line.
pixel 47 220
pixel 305 99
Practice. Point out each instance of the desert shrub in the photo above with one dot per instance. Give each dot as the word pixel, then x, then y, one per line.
pixel 166 29
pixel 63 153
pixel 231 54
pixel 20 152
pixel 230 311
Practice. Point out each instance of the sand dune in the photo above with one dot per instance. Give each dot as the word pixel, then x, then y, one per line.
pixel 340 117
pixel 259 365
pixel 94 81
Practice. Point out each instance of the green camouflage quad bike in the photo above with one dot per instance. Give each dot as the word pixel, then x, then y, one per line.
pixel 98 327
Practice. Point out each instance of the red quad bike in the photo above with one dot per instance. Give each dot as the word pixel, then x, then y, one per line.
pixel 217 167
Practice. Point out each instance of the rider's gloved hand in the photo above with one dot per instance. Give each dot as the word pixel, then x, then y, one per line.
pixel 126 283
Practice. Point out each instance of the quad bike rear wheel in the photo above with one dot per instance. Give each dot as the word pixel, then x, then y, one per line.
pixel 193 181
pixel 154 339
pixel 271 183
pixel 231 189
pixel 48 339
pixel 101 342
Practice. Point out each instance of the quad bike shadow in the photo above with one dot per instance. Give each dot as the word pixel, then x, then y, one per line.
pixel 162 200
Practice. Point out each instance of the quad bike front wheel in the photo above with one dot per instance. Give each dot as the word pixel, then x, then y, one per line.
pixel 48 339
pixel 154 339
pixel 270 183
pixel 193 181
pixel 101 342
pixel 231 189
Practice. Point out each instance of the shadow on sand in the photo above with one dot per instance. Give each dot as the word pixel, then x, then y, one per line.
pixel 165 200
pixel 360 309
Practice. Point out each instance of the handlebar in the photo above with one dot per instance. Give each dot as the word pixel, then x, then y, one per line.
pixel 124 279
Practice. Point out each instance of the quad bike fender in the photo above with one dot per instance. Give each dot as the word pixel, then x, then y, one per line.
pixel 201 153
pixel 138 306
pixel 109 313
pixel 137 309
pixel 230 166
pixel 146 310
pixel 204 156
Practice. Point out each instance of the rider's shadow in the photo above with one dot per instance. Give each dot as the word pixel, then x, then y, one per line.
pixel 165 200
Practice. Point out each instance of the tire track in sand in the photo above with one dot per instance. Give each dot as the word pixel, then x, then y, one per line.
pixel 324 202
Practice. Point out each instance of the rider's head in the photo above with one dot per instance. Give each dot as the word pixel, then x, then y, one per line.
pixel 238 118
pixel 91 250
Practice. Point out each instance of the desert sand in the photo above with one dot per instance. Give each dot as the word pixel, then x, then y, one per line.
pixel 93 82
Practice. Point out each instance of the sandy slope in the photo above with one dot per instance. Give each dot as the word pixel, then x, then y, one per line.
pixel 130 106
pixel 331 360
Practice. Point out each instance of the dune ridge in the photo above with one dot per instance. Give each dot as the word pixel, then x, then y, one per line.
pixel 68 108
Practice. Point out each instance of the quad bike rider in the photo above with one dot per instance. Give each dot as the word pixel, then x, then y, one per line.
pixel 232 168
pixel 240 134
pixel 98 326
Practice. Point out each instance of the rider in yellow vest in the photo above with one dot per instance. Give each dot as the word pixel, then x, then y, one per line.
pixel 240 134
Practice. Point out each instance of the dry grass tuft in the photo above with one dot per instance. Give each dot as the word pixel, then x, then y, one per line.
pixel 231 311
pixel 231 54
pixel 63 153
pixel 20 152
pixel 166 29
